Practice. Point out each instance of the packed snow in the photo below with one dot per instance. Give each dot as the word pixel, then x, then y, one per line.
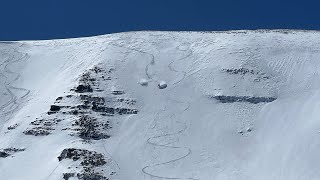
pixel 235 105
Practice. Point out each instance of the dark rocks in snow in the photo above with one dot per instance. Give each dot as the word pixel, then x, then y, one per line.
pixel 55 108
pixel 106 78
pixel 13 150
pixel 97 69
pixel 98 105
pixel 86 78
pixel 243 132
pixel 92 79
pixel 4 154
pixel 126 111
pixel 12 126
pixel 88 158
pixel 91 176
pixel 45 122
pixel 90 128
pixel 59 99
pixel 111 110
pixel 127 101
pixel 51 112
pixel 42 127
pixel 118 92
pixel 83 88
pixel 97 108
pixel 250 99
pixel 111 70
pixel 9 151
pixel 241 71
pixel 88 99
pixel 244 71
pixel 75 112
pixel 83 107
pixel 105 114
pixel 72 153
pixel 39 131
pixel 67 176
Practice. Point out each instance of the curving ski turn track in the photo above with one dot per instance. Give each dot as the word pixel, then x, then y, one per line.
pixel 171 64
pixel 12 103
pixel 152 140
pixel 152 61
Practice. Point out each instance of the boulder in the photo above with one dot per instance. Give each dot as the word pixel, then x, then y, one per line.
pixel 4 154
pixel 55 108
pixel 143 82
pixel 162 85
pixel 83 88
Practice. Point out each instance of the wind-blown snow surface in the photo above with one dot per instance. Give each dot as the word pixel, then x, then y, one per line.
pixel 202 126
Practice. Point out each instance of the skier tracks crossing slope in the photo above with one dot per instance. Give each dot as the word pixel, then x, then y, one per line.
pixel 152 140
pixel 152 61
pixel 8 85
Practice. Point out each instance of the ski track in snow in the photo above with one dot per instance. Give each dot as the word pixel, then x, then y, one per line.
pixel 152 140
pixel 152 61
pixel 167 145
pixel 8 85
pixel 171 64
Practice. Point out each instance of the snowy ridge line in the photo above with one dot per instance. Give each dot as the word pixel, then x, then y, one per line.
pixel 282 31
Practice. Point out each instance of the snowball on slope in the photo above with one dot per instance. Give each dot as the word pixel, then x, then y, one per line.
pixel 143 82
pixel 162 85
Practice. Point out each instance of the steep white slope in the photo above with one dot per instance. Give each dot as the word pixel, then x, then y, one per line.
pixel 238 105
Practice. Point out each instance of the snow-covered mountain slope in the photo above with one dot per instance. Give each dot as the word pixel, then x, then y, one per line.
pixel 238 105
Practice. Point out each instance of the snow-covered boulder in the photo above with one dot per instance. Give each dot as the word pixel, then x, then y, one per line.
pixel 162 85
pixel 143 82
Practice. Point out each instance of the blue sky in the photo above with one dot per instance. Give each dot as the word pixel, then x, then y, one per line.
pixel 49 19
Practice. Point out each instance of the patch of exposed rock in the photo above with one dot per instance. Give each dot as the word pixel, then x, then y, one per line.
pixel 42 127
pixel 90 128
pixel 88 160
pixel 250 99
pixel 9 152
